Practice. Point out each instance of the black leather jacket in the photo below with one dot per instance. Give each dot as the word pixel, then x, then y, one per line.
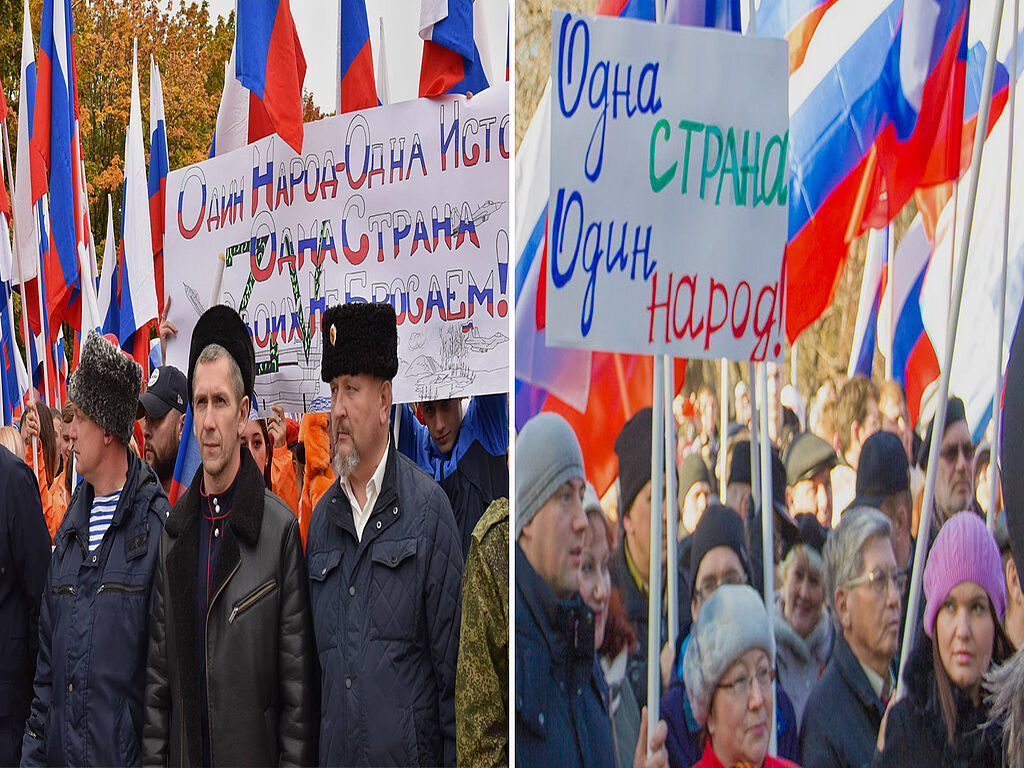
pixel 262 681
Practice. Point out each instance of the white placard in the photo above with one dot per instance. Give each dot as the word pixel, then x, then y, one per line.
pixel 667 215
pixel 405 203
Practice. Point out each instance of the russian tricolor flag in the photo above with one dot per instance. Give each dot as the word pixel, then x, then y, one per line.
pixel 865 108
pixel 269 62
pixel 159 167
pixel 188 460
pixel 356 87
pixel 26 246
pixel 136 294
pixel 55 141
pixel 451 59
pixel 794 21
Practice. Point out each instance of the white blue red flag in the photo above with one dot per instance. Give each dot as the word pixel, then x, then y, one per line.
pixel 57 143
pixel 26 246
pixel 452 62
pixel 269 62
pixel 356 87
pixel 865 110
pixel 159 167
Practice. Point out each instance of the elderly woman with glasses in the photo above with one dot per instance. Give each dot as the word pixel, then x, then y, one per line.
pixel 943 719
pixel 728 666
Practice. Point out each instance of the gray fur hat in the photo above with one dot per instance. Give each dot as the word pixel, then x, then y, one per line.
pixel 730 623
pixel 106 385
pixel 547 455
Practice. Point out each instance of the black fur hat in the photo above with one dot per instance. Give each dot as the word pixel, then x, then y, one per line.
pixel 106 386
pixel 220 324
pixel 360 338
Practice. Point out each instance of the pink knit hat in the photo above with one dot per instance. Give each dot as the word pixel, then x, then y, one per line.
pixel 963 551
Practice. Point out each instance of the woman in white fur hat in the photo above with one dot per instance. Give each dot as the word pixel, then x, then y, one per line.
pixel 729 669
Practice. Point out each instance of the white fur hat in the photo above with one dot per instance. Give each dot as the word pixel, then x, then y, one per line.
pixel 730 623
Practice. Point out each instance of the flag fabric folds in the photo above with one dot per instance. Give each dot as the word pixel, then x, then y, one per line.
pixel 865 110
pixel 241 117
pixel 356 87
pixel 187 461
pixel 159 167
pixel 56 145
pixel 451 60
pixel 269 62
pixel 862 353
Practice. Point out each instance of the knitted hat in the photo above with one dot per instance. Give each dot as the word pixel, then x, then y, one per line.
pixel 547 455
pixel 732 622
pixel 220 324
pixel 718 527
pixel 963 551
pixel 633 447
pixel 360 338
pixel 693 470
pixel 105 386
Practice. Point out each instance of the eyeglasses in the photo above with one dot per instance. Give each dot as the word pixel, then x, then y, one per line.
pixel 708 586
pixel 880 579
pixel 740 687
pixel 950 452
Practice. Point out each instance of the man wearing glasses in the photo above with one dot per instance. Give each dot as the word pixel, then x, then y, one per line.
pixel 864 587
pixel 954 477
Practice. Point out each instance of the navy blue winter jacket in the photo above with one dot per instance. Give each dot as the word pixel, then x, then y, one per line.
pixel 386 613
pixel 87 707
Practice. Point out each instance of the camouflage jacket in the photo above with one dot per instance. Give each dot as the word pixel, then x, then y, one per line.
pixel 481 681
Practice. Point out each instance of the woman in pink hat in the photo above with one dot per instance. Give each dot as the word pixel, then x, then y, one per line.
pixel 943 720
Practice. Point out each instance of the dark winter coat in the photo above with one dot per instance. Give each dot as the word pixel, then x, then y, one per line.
pixel 475 473
pixel 93 631
pixel 915 733
pixel 842 715
pixel 260 661
pixel 562 716
pixel 24 557
pixel 387 610
pixel 635 602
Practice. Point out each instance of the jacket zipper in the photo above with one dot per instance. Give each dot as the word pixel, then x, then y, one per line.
pixel 206 651
pixel 267 588
pixel 63 589
pixel 114 586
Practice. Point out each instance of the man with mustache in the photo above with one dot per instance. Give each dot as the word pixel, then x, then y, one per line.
pixel 954 476
pixel 385 567
pixel 161 413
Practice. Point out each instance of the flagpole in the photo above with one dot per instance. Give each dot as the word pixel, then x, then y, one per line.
pixel 767 520
pixel 671 509
pixel 21 278
pixel 43 320
pixel 993 467
pixel 957 290
pixel 755 472
pixel 657 501
pixel 890 251
pixel 723 421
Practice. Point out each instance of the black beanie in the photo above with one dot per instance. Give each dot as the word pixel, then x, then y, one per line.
pixel 633 447
pixel 719 526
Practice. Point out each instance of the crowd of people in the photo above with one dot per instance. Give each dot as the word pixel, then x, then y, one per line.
pixel 820 674
pixel 329 591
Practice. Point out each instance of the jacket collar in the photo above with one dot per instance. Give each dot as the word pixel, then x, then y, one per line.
pixel 246 508
pixel 340 512
pixel 567 625
pixel 80 506
pixel 852 673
